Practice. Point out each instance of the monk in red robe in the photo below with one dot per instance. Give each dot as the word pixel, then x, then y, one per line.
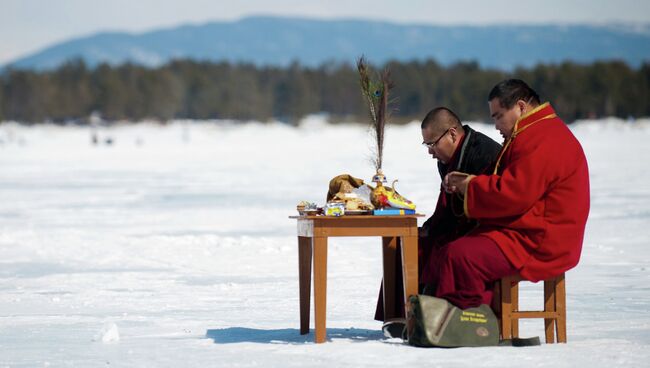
pixel 532 208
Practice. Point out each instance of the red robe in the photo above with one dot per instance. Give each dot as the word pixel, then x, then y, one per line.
pixel 535 204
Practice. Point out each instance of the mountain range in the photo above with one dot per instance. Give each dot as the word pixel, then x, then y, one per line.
pixel 280 41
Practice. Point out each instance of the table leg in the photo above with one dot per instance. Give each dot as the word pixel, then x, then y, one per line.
pixel 320 287
pixel 409 268
pixel 304 273
pixel 389 253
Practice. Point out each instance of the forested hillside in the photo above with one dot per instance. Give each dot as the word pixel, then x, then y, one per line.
pixel 186 89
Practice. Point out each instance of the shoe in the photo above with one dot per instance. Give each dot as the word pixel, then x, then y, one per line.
pixel 394 329
pixel 429 289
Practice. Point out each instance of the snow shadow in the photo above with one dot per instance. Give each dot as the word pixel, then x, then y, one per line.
pixel 233 335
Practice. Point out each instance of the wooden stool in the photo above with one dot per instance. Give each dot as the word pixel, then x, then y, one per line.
pixel 506 303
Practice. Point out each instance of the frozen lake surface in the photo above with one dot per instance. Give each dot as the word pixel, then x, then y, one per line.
pixel 172 247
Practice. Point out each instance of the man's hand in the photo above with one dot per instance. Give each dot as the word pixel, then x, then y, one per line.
pixel 456 182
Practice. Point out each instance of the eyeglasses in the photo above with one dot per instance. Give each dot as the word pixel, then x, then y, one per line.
pixel 433 144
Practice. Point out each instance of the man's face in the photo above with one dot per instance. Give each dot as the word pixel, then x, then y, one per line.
pixel 439 144
pixel 505 119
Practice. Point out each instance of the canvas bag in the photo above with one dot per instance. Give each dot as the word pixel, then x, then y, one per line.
pixel 436 322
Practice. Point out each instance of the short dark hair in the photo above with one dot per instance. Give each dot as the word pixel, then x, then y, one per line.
pixel 442 117
pixel 510 91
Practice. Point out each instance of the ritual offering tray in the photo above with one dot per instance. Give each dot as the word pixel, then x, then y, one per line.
pixel 350 196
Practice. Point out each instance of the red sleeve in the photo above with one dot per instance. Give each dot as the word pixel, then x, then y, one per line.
pixel 523 181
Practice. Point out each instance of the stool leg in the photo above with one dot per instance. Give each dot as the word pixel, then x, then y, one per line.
pixel 304 280
pixel 549 306
pixel 506 309
pixel 389 252
pixel 560 304
pixel 320 287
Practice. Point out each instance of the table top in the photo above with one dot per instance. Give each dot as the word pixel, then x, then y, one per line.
pixel 352 217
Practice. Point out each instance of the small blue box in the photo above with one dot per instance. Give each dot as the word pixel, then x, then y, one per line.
pixel 390 211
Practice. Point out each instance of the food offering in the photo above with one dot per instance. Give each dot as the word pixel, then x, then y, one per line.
pixel 306 208
pixel 349 196
pixel 335 209
pixel 350 193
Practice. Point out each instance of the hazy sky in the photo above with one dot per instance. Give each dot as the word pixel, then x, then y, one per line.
pixel 27 26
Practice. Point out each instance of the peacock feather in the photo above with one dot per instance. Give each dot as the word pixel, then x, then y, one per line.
pixel 375 90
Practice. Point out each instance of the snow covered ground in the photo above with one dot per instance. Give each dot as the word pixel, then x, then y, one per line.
pixel 172 247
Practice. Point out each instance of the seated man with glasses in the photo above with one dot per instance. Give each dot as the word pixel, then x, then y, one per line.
pixel 456 147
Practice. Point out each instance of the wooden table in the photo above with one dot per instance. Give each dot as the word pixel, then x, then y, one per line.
pixel 313 232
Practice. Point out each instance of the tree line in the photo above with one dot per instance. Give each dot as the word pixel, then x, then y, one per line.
pixel 186 89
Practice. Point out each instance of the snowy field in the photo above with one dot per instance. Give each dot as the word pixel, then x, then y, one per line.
pixel 172 247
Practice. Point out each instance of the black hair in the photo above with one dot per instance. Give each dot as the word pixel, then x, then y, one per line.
pixel 510 91
pixel 442 116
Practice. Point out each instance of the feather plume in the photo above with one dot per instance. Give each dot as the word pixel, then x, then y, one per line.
pixel 375 90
